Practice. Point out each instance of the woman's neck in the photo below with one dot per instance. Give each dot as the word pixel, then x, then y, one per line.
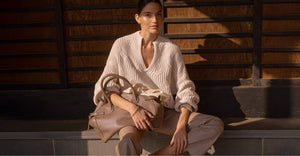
pixel 148 38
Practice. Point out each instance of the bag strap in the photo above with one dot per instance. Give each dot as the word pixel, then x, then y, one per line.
pixel 111 77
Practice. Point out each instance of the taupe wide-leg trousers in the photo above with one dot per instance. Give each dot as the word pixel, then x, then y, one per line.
pixel 202 131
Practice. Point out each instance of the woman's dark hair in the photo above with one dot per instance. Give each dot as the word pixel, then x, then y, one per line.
pixel 143 3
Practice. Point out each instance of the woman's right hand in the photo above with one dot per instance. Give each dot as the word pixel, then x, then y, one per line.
pixel 141 119
pixel 139 115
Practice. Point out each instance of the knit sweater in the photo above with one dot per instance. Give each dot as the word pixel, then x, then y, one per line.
pixel 166 72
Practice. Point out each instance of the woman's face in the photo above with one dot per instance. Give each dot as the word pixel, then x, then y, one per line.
pixel 150 18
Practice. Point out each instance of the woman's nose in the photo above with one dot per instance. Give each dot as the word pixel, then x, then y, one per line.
pixel 154 18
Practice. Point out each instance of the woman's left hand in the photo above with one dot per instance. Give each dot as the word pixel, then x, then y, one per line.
pixel 179 140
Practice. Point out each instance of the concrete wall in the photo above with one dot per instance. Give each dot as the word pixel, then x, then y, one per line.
pixel 246 101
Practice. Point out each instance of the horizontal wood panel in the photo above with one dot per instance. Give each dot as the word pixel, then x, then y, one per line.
pixel 29 78
pixel 280 57
pixel 29 63
pixel 217 58
pixel 28 48
pixel 280 41
pixel 27 17
pixel 85 61
pixel 93 2
pixel 281 9
pixel 15 4
pixel 223 27
pixel 214 43
pixel 92 24
pixel 84 76
pixel 98 30
pixel 27 33
pixel 103 14
pixel 276 73
pixel 281 25
pixel 210 11
pixel 79 46
pixel 220 73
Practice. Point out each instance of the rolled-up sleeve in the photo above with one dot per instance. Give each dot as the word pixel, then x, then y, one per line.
pixel 186 95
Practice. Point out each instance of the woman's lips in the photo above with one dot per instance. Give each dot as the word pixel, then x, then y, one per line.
pixel 154 26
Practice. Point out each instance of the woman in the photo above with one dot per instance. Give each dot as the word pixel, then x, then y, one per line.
pixel 156 62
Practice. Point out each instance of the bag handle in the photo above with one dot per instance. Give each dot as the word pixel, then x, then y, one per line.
pixel 112 77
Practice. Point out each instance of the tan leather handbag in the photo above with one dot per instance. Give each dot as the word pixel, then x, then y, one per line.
pixel 107 119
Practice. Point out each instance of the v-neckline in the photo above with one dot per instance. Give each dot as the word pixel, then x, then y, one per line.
pixel 141 55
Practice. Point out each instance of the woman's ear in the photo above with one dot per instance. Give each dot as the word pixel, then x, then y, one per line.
pixel 137 18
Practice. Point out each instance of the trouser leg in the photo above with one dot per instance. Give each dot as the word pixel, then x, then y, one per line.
pixel 202 130
pixel 129 143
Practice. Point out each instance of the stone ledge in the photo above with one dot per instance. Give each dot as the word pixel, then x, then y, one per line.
pixel 231 142
pixel 90 134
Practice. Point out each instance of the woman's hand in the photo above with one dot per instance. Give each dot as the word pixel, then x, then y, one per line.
pixel 139 115
pixel 141 119
pixel 179 140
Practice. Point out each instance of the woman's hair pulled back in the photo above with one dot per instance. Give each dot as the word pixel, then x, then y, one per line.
pixel 142 3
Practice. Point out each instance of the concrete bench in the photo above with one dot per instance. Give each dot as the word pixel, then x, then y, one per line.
pixel 70 137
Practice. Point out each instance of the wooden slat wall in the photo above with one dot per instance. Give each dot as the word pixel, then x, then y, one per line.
pixel 65 43
pixel 220 34
pixel 91 27
pixel 281 40
pixel 28 47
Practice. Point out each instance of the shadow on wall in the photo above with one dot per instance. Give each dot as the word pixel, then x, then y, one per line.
pixel 279 103
pixel 219 101
pixel 222 101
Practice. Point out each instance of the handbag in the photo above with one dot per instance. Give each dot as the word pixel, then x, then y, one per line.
pixel 107 119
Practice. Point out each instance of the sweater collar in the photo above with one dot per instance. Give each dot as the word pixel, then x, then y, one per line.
pixel 140 38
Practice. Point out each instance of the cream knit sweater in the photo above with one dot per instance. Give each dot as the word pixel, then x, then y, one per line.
pixel 166 72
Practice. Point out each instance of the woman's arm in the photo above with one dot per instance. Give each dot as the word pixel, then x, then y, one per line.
pixel 179 140
pixel 186 95
pixel 139 115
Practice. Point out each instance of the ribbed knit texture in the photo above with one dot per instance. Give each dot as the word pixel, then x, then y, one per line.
pixel 167 70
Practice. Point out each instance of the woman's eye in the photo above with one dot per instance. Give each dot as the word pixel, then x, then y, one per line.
pixel 146 14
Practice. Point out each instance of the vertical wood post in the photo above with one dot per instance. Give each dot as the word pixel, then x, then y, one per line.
pixel 164 26
pixel 257 23
pixel 60 39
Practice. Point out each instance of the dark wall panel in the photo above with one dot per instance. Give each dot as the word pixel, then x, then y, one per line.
pixel 71 39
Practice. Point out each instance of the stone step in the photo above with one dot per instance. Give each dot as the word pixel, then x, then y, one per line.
pixel 231 142
pixel 242 136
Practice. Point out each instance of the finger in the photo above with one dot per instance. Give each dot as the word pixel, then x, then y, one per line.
pixel 138 126
pixel 149 124
pixel 149 115
pixel 176 146
pixel 144 126
pixel 185 143
pixel 172 142
pixel 181 147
